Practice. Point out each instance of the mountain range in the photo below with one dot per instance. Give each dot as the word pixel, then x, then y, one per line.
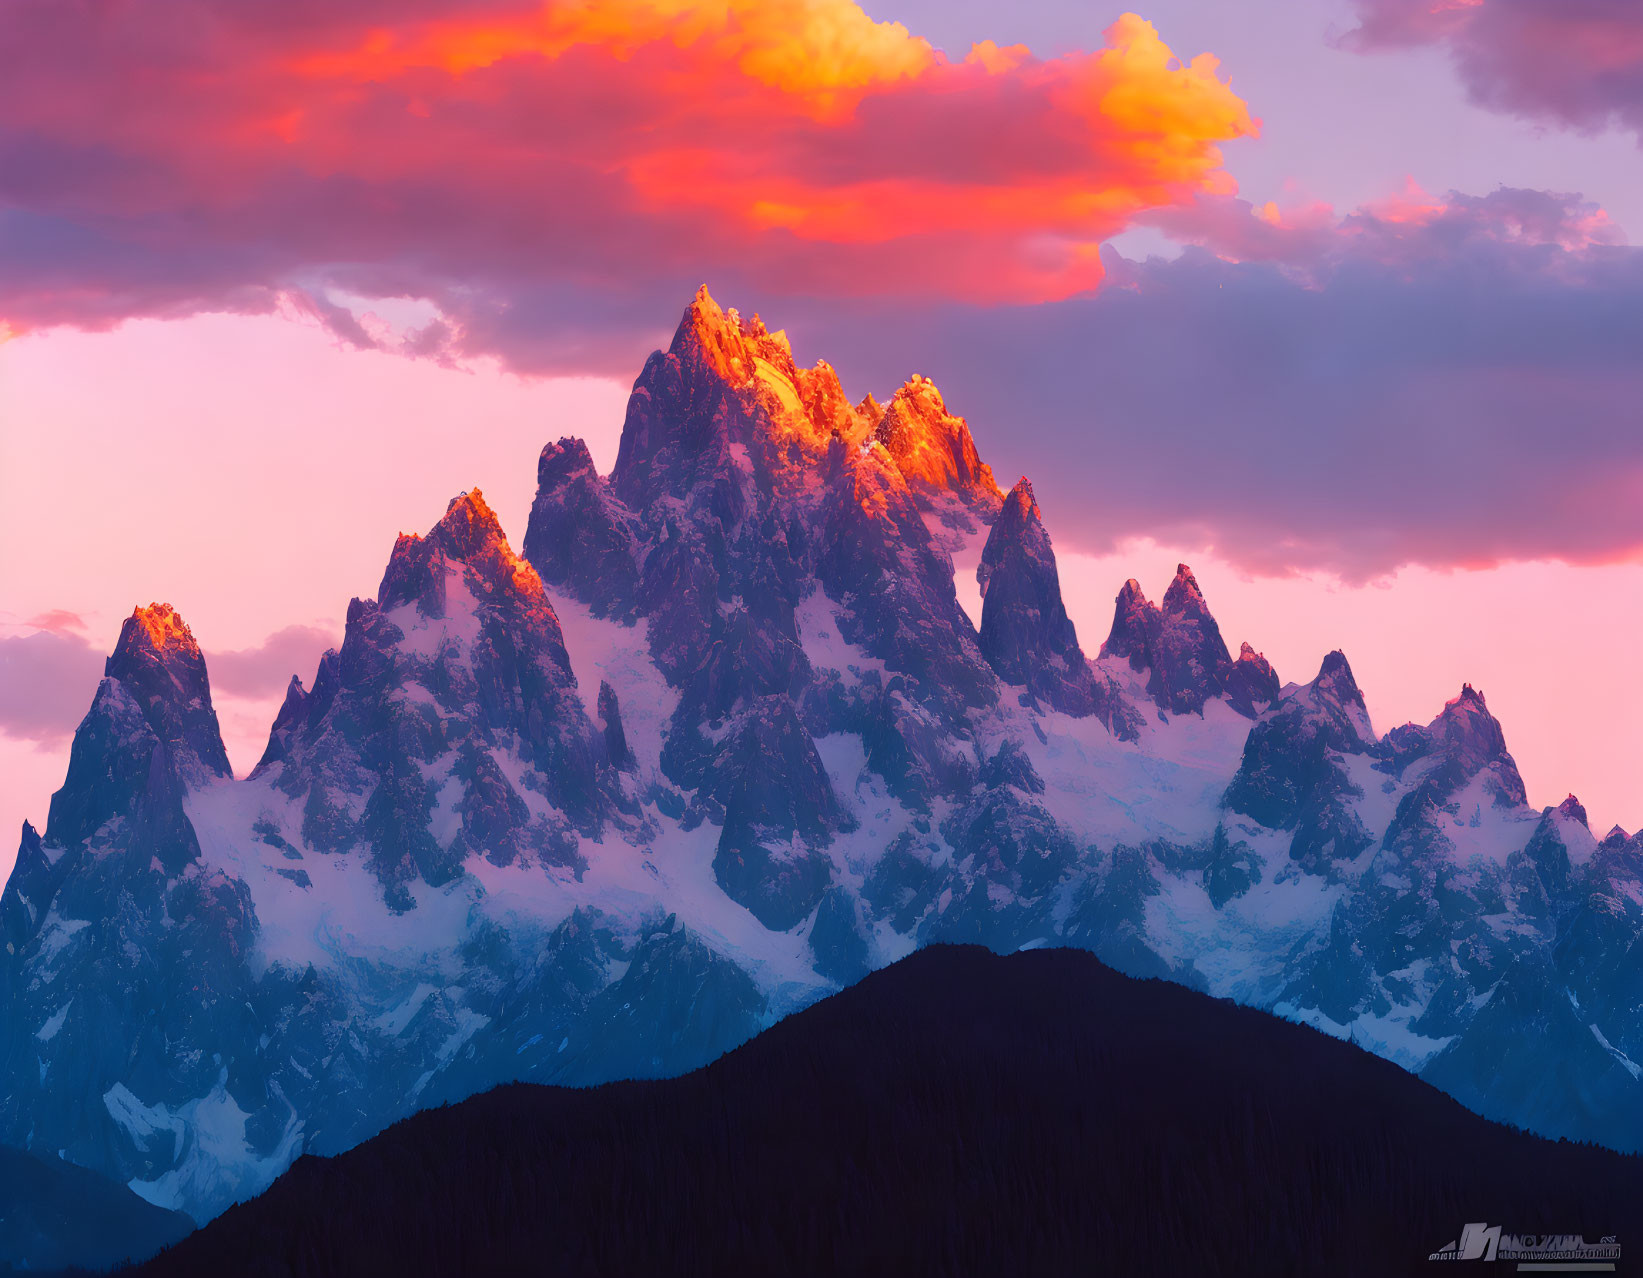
pixel 719 740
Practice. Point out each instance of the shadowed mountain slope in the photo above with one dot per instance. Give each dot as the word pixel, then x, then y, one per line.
pixel 54 1215
pixel 957 1112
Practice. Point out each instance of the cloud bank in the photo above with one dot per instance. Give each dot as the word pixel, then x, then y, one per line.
pixel 1574 63
pixel 1447 381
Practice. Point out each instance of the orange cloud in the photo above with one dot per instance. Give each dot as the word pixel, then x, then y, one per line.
pixel 444 148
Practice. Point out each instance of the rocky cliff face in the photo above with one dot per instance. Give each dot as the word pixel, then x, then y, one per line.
pixel 722 739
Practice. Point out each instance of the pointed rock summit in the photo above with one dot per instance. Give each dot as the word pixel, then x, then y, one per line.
pixel 1026 634
pixel 1252 683
pixel 1291 775
pixel 933 449
pixel 1180 646
pixel 160 665
pixel 1473 741
pixel 581 538
pixel 1134 627
pixel 725 394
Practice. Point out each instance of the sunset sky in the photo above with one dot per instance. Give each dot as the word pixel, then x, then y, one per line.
pixel 1332 299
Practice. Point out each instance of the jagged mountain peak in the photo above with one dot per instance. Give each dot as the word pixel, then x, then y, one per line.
pixel 1020 503
pixel 1572 809
pixel 159 663
pixel 158 627
pixel 933 448
pixel 1017 540
pixel 1134 624
pixel 1184 595
pixel 1252 683
pixel 740 350
pixel 566 459
pixel 1467 715
pixel 468 534
pixel 1470 740
pixel 581 538
pixel 726 409
pixel 1019 517
pixel 1180 644
pixel 718 333
pixel 470 527
pixel 1335 678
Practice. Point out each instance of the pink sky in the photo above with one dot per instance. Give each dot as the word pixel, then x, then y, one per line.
pixel 253 472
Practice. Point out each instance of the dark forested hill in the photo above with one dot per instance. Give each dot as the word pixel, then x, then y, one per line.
pixel 958 1112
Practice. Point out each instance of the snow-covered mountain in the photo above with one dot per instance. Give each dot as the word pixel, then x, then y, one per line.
pixel 724 739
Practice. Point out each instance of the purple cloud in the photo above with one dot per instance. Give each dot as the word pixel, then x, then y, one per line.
pixel 46 682
pixel 1451 382
pixel 1576 63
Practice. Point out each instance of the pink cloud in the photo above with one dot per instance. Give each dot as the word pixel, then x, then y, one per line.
pixel 1577 63
pixel 1540 233
pixel 264 670
pixel 46 682
pixel 59 621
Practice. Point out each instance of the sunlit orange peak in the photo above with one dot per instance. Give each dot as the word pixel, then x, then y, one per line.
pixel 163 626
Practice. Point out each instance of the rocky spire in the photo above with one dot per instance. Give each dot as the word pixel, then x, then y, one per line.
pixel 617 749
pixel 1572 809
pixel 1336 681
pixel 1026 634
pixel 160 665
pixel 27 895
pixel 293 712
pixel 1135 622
pixel 724 396
pixel 581 539
pixel 1474 740
pixel 1252 683
pixel 1191 657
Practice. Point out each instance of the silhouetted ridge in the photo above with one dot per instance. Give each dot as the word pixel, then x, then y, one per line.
pixel 957 1112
